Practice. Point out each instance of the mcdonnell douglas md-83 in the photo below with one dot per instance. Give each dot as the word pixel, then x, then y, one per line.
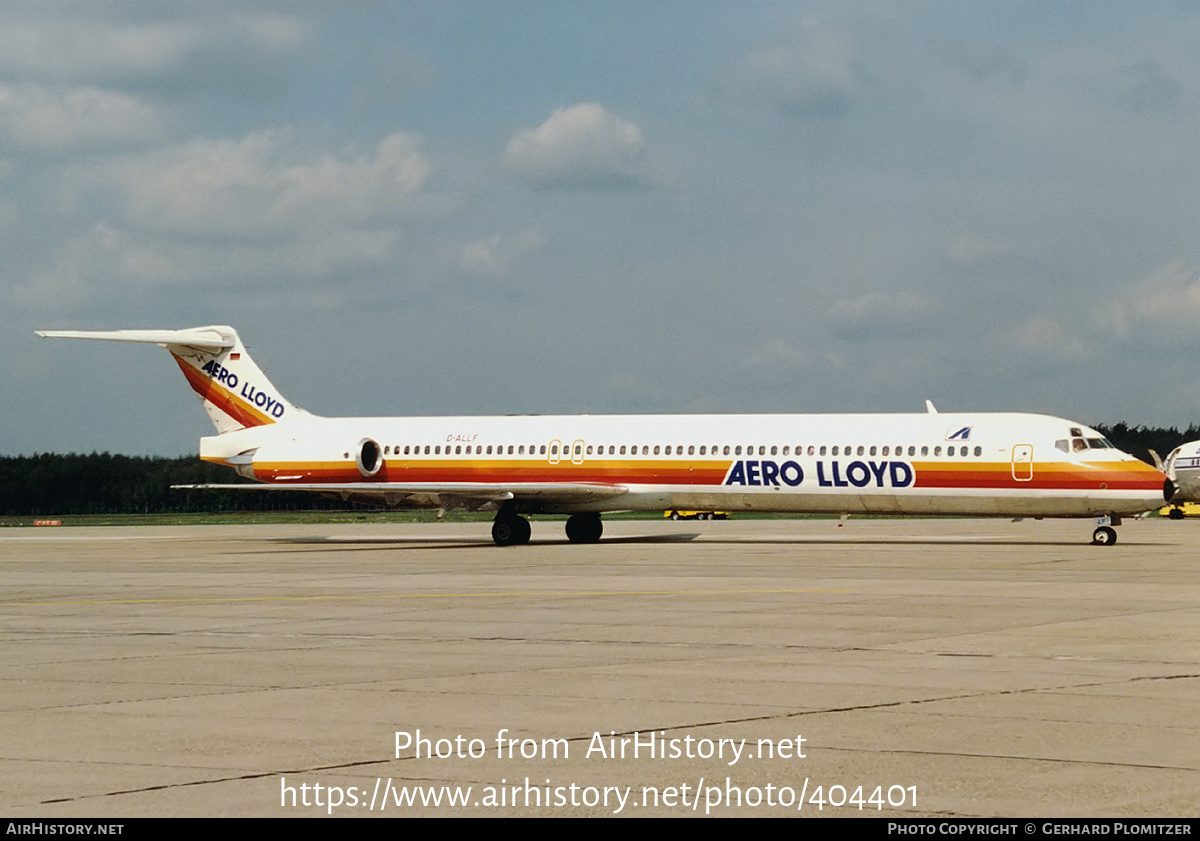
pixel 969 463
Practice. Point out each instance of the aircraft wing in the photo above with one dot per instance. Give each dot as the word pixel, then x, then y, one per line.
pixel 469 495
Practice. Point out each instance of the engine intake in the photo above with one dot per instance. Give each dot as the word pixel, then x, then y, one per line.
pixel 369 457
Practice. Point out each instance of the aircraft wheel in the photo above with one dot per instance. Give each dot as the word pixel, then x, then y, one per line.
pixel 1104 536
pixel 510 531
pixel 584 528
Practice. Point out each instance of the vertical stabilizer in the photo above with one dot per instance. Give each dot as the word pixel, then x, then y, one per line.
pixel 235 392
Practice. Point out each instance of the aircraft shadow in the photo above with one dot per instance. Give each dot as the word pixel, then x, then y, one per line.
pixel 901 541
pixel 367 541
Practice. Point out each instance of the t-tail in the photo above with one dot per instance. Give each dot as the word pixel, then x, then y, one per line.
pixel 236 393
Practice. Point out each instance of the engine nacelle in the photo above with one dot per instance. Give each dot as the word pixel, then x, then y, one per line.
pixel 369 457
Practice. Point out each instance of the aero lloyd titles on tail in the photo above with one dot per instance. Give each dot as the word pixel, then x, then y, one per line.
pixel 1015 465
pixel 251 393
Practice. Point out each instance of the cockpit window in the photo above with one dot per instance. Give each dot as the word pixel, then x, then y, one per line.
pixel 1063 444
pixel 1100 444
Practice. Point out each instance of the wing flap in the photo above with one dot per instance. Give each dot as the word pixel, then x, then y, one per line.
pixel 454 495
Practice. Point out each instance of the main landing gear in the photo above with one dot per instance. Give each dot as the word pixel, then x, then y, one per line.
pixel 511 529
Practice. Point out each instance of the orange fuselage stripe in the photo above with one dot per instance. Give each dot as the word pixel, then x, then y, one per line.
pixel 221 397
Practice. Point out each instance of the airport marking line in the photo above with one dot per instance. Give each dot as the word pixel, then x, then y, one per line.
pixel 499 594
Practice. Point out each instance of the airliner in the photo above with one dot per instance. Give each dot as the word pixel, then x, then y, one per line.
pixel 1183 468
pixel 970 463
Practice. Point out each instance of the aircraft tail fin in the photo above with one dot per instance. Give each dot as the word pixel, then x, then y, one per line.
pixel 235 392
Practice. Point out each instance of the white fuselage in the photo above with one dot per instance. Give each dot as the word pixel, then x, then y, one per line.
pixel 1183 467
pixel 963 463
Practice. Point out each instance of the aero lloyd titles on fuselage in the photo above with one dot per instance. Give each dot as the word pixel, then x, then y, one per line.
pixel 249 392
pixel 827 474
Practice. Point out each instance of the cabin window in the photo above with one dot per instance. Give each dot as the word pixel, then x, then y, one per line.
pixel 979 451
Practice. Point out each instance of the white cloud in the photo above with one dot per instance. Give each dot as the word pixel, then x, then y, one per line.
pixel 1046 339
pixel 1164 306
pixel 580 146
pixel 67 47
pixel 880 313
pixel 971 250
pixel 812 73
pixel 493 256
pixel 246 188
pixel 41 117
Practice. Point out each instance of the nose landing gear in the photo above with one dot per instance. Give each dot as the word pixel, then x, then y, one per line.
pixel 1105 534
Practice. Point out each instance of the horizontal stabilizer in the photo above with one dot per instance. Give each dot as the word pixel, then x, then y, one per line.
pixel 200 337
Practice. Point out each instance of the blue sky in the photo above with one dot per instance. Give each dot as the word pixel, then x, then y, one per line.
pixel 514 207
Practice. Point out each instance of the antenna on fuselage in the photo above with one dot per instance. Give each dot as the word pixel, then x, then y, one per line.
pixel 929 407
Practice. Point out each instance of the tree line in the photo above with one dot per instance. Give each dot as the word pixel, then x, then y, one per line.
pixel 1140 440
pixel 49 484
pixel 102 483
